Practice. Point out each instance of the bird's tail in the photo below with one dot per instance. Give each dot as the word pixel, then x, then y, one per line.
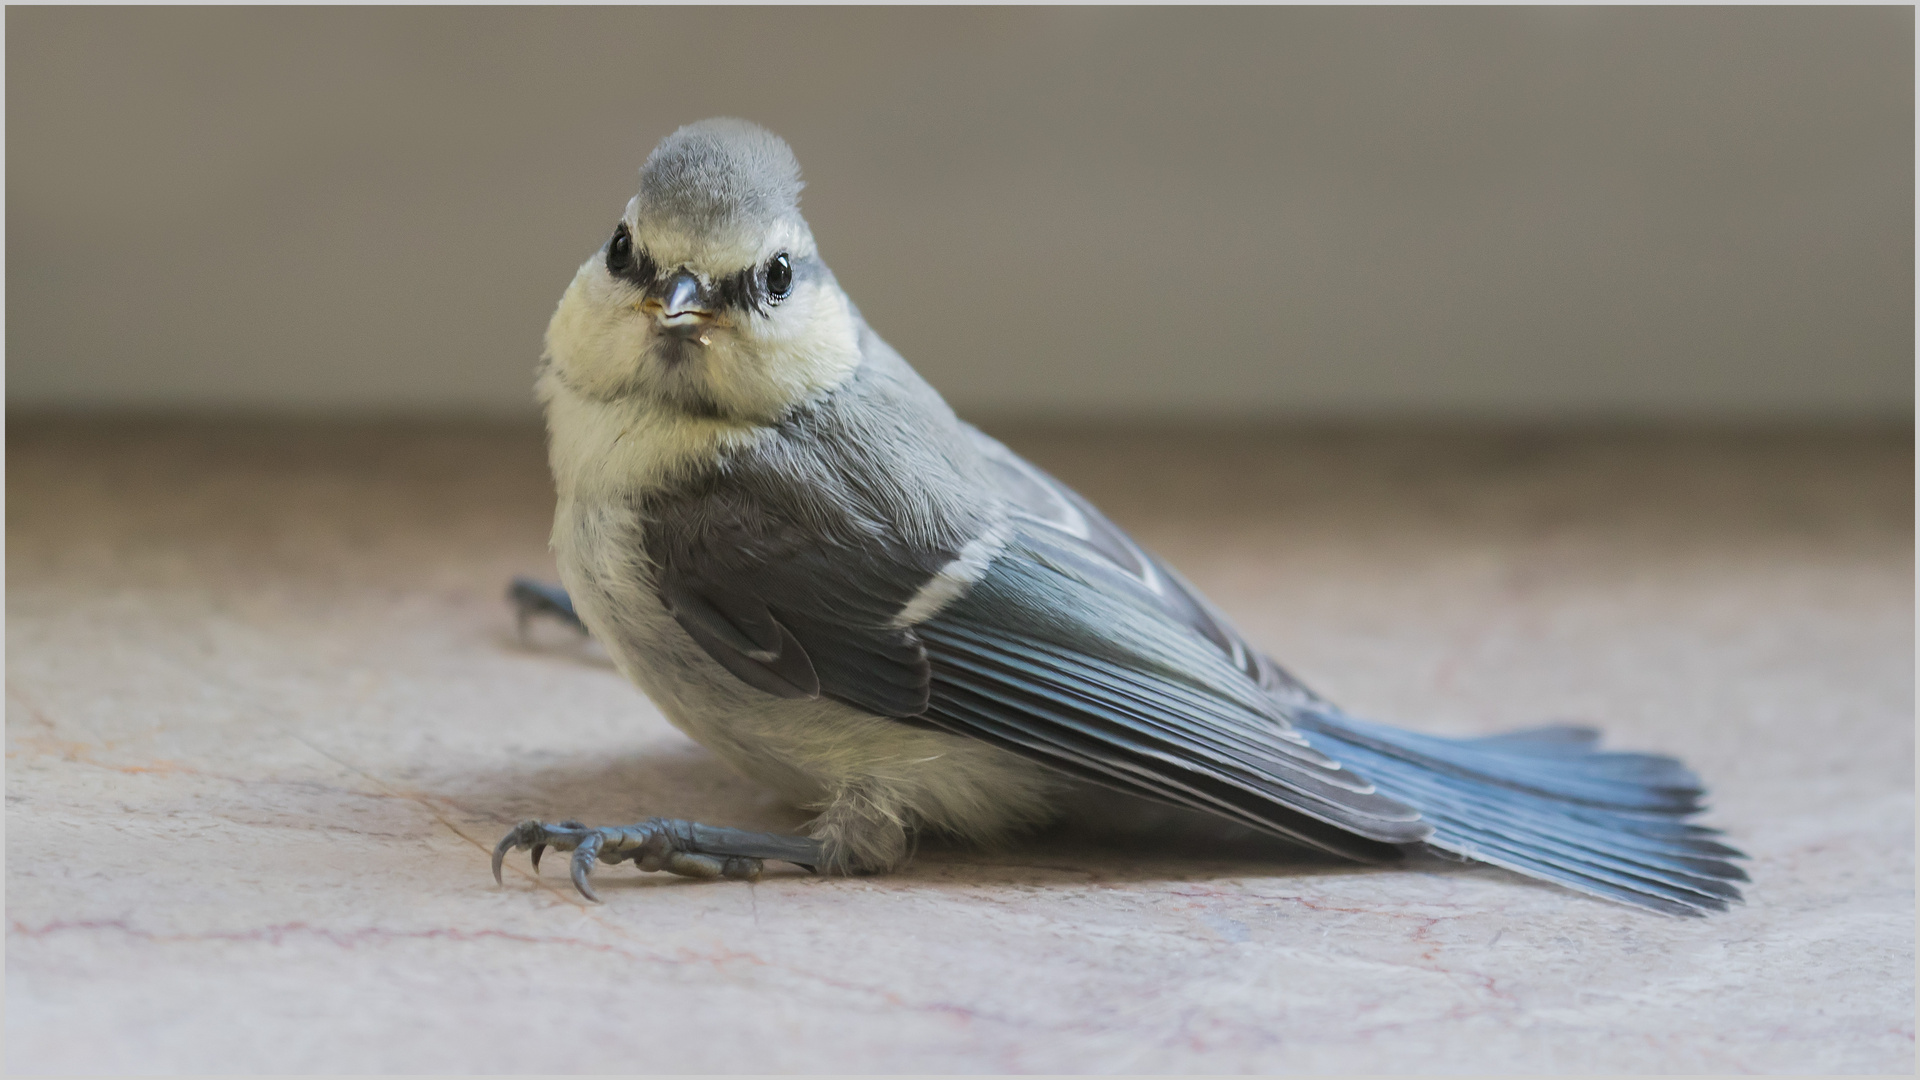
pixel 1546 802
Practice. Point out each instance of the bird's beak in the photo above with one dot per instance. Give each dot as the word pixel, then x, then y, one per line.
pixel 683 308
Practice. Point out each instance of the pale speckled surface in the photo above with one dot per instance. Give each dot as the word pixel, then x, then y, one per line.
pixel 265 713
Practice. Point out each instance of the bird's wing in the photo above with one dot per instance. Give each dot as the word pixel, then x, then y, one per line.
pixel 1547 802
pixel 797 618
pixel 1058 516
pixel 1080 649
pixel 1049 633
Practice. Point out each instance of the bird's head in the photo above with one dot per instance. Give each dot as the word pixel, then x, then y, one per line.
pixel 708 298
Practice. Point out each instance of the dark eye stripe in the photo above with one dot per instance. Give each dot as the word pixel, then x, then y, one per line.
pixel 742 291
pixel 737 291
pixel 629 263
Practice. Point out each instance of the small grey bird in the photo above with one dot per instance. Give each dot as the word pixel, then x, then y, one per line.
pixel 791 544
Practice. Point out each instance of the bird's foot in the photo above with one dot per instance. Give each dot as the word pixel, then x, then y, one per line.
pixel 679 847
pixel 533 598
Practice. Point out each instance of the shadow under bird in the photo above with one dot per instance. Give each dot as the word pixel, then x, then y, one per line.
pixel 791 544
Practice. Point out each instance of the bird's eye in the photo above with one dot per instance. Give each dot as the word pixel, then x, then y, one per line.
pixel 620 250
pixel 779 277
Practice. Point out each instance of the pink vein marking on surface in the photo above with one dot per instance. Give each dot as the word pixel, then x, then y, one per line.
pixel 278 933
pixel 426 803
pixel 74 750
pixel 1422 936
pixel 348 939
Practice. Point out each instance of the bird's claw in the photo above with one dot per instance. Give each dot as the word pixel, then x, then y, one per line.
pixel 652 845
pixel 533 599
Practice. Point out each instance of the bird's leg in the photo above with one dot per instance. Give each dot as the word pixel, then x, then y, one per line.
pixel 531 598
pixel 687 848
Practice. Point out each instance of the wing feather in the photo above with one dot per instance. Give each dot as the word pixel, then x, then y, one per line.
pixel 1066 661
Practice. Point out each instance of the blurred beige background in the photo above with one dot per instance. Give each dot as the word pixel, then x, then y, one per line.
pixel 1472 213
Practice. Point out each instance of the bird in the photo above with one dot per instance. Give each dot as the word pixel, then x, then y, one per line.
pixel 787 540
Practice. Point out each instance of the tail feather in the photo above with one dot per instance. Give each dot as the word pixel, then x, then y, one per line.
pixel 1547 803
pixel 1552 740
pixel 1529 825
pixel 1644 782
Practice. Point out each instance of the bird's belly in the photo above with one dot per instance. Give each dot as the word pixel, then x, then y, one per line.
pixel 812 751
